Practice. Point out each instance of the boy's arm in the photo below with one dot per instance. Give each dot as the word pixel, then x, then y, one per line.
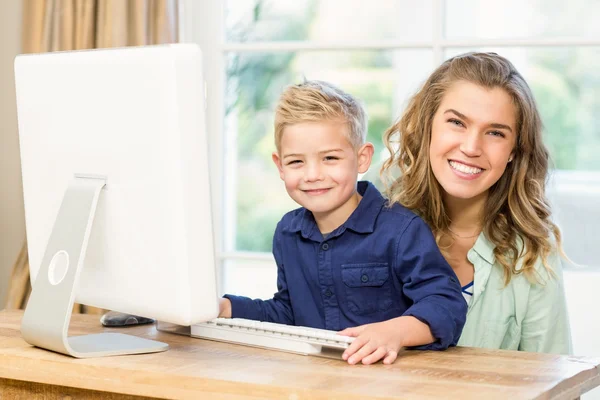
pixel 429 281
pixel 437 316
pixel 278 309
pixel 546 323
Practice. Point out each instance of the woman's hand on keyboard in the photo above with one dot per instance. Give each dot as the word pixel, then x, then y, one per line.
pixel 373 342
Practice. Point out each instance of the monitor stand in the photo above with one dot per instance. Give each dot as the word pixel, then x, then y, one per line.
pixel 46 320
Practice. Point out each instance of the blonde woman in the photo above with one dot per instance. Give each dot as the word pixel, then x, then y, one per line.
pixel 473 166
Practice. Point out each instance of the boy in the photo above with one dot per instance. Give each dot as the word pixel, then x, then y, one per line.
pixel 346 259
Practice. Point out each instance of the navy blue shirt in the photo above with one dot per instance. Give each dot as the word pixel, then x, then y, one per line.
pixel 382 263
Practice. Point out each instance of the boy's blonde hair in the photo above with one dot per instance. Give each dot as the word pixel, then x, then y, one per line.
pixel 318 101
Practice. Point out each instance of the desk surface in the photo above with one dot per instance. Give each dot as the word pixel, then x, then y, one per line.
pixel 195 368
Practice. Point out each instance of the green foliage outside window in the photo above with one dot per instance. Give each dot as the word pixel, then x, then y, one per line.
pixel 564 82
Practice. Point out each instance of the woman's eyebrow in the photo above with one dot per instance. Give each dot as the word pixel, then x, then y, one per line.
pixel 460 115
pixel 492 125
pixel 500 126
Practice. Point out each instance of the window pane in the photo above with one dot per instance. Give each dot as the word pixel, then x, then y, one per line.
pixel 574 196
pixel 382 79
pixel 327 20
pixel 565 83
pixel 518 19
pixel 254 279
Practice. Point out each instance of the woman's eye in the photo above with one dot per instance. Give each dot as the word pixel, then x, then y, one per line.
pixel 497 133
pixel 456 122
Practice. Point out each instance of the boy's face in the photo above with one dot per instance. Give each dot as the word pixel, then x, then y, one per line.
pixel 320 167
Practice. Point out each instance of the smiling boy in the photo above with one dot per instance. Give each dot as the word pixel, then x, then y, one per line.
pixel 346 258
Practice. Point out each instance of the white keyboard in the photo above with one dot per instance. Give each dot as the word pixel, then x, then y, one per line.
pixel 295 339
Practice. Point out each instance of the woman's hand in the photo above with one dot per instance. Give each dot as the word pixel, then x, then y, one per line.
pixel 373 342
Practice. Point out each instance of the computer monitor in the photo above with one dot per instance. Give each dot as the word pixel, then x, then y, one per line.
pixel 116 191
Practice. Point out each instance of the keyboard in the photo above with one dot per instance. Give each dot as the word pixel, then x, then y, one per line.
pixel 268 335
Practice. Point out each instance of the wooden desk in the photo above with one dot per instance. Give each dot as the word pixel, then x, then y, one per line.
pixel 197 369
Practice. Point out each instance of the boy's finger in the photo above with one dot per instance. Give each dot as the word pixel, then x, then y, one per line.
pixel 375 356
pixel 391 357
pixel 364 351
pixel 353 348
pixel 354 332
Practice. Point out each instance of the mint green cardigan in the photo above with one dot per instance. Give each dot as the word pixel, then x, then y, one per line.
pixel 521 316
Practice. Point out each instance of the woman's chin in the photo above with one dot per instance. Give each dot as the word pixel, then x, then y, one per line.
pixel 462 193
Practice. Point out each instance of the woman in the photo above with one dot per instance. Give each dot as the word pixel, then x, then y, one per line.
pixel 474 168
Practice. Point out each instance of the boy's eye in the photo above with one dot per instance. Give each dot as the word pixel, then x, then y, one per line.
pixel 456 122
pixel 331 158
pixel 293 162
pixel 497 133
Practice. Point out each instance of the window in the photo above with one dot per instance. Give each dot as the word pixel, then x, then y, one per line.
pixel 381 52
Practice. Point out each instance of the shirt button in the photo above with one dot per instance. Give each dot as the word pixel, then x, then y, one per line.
pixel 364 278
pixel 325 246
pixel 328 293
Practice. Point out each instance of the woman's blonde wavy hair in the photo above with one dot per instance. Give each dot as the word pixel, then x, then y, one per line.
pixel 516 207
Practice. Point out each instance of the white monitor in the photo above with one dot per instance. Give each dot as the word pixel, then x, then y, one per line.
pixel 116 190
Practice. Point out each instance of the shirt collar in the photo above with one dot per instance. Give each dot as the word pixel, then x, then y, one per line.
pixel 362 220
pixel 485 249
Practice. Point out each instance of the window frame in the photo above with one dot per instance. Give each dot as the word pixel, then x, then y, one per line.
pixel 203 22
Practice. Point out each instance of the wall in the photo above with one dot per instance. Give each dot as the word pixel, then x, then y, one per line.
pixel 12 225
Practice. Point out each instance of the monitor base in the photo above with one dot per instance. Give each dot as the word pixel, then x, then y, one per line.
pixel 48 313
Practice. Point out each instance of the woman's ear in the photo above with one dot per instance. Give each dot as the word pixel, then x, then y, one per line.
pixel 365 156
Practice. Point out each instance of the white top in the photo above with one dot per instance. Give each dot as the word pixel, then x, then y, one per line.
pixel 467 292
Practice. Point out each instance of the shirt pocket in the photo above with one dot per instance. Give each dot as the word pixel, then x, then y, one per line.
pixel 367 287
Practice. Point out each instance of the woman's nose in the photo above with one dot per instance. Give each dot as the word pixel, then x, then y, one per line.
pixel 471 144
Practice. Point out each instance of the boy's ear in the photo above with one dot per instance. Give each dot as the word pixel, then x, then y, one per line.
pixel 365 156
pixel 277 162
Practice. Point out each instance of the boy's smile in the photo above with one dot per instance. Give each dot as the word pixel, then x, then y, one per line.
pixel 320 168
pixel 316 192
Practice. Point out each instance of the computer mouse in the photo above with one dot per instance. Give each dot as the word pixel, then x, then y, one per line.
pixel 116 319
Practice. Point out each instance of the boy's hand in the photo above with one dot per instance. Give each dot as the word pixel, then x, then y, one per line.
pixel 385 339
pixel 224 308
pixel 373 342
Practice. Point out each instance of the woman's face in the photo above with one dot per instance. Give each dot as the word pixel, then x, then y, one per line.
pixel 472 139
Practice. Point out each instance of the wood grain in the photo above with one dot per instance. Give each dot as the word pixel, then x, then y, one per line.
pixel 195 368
pixel 11 389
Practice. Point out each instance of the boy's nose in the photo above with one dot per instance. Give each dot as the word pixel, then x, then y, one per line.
pixel 312 173
pixel 471 145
